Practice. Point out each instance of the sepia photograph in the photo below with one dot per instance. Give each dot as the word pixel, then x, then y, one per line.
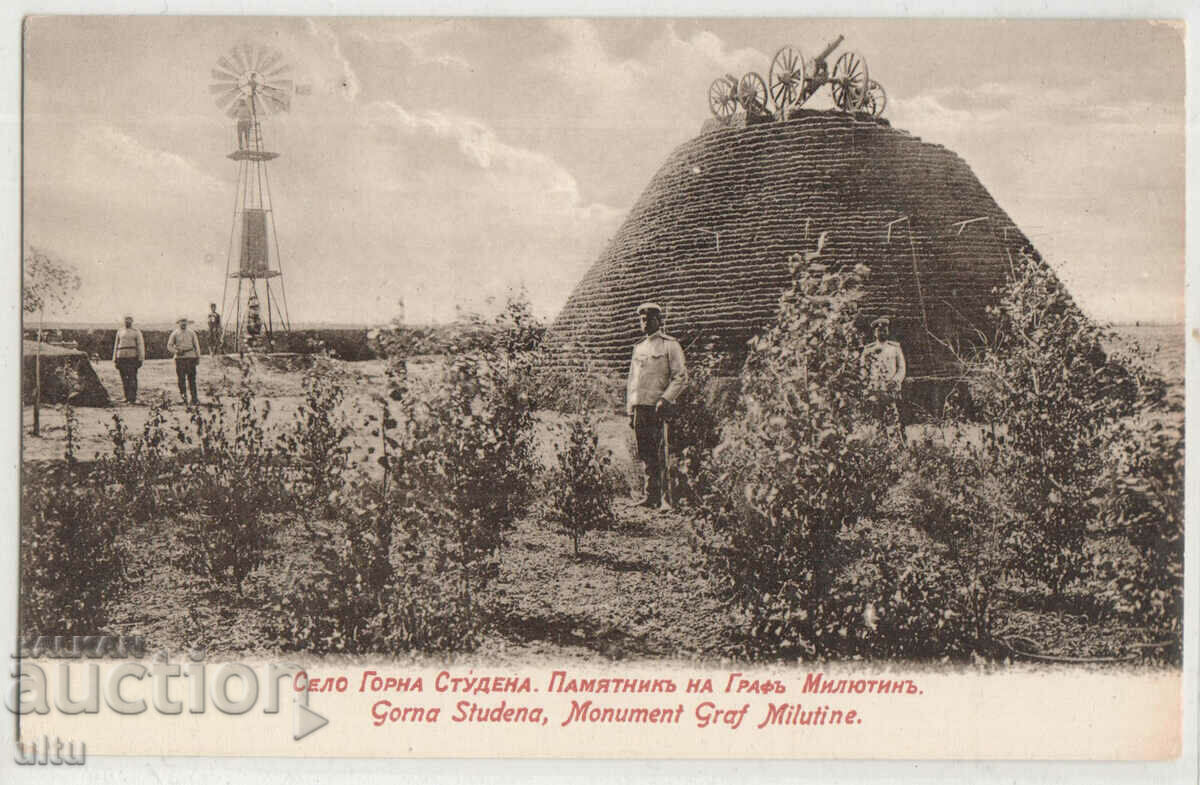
pixel 506 381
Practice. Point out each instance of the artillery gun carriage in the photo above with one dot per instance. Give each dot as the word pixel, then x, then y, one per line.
pixel 792 80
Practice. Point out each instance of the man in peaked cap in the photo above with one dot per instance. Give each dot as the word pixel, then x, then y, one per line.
pixel 657 375
pixel 184 345
pixel 884 367
pixel 129 352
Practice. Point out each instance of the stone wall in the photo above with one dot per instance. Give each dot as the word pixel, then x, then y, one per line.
pixel 710 237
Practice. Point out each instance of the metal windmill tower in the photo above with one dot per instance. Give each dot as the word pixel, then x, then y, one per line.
pixel 249 84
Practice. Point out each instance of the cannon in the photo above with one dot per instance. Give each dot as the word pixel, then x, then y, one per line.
pixel 728 93
pixel 792 80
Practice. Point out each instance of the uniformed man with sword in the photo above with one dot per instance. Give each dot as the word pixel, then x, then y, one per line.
pixel 657 376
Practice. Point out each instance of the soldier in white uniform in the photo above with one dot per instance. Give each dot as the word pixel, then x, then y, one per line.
pixel 129 352
pixel 884 368
pixel 657 375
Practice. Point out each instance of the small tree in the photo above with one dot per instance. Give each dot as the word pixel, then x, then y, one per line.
pixel 581 492
pixel 1053 394
pixel 45 281
pixel 796 468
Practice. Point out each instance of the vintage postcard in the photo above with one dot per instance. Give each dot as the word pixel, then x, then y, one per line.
pixel 601 388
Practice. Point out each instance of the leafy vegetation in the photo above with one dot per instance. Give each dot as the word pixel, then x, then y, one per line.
pixel 581 487
pixel 404 524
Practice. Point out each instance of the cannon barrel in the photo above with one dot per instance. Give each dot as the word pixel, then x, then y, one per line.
pixel 828 50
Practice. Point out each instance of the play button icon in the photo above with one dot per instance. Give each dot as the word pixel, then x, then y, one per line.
pixel 307 721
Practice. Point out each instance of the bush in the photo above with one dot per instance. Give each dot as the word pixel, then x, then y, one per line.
pixel 902 596
pixel 795 469
pixel 407 562
pixel 317 442
pixel 707 402
pixel 71 565
pixel 949 492
pixel 1145 505
pixel 582 486
pixel 138 470
pixel 234 482
pixel 571 391
pixel 1053 395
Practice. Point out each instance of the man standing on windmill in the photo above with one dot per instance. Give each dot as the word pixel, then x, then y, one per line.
pixel 657 375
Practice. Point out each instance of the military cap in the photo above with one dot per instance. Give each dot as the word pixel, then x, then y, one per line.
pixel 182 319
pixel 649 307
pixel 882 321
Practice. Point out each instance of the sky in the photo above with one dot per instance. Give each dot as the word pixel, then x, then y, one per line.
pixel 440 163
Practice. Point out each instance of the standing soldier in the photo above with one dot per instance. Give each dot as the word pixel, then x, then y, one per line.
pixel 214 329
pixel 884 368
pixel 129 352
pixel 184 345
pixel 657 375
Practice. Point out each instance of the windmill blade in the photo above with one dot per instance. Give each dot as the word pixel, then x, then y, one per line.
pixel 282 103
pixel 222 76
pixel 224 62
pixel 248 55
pixel 266 56
pixel 270 61
pixel 281 85
pixel 283 69
pixel 236 54
pixel 220 87
pixel 224 100
pixel 275 102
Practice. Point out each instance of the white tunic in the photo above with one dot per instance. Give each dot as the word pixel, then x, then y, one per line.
pixel 883 362
pixel 657 371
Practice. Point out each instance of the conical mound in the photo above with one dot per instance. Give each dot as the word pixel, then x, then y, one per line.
pixel 710 237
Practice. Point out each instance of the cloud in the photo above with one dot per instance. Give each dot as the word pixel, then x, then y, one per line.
pixel 346 84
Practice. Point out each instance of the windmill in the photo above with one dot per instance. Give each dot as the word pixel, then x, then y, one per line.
pixel 250 83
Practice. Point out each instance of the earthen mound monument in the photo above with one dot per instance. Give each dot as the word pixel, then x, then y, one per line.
pixel 711 235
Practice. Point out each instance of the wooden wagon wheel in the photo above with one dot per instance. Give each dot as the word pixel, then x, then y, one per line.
pixel 849 82
pixel 722 98
pixel 786 79
pixel 876 99
pixel 752 94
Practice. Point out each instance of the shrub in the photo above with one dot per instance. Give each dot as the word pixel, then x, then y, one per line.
pixel 581 487
pixel 387 574
pixel 707 402
pixel 949 492
pixel 236 479
pixel 71 566
pixel 1145 506
pixel 571 391
pixel 137 467
pixel 794 470
pixel 1053 394
pixel 317 442
pixel 901 596
pixel 464 462
pixel 407 561
pixel 334 604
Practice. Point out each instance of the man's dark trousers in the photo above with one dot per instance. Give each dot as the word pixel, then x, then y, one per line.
pixel 128 367
pixel 647 427
pixel 185 373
